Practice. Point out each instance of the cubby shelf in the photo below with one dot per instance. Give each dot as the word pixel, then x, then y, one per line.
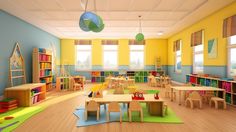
pixel 229 86
pixel 139 76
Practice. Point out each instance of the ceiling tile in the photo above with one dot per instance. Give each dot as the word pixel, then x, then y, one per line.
pixel 191 4
pixel 49 5
pixel 144 5
pixel 119 5
pixel 71 5
pixel 169 5
pixel 60 15
pixel 28 4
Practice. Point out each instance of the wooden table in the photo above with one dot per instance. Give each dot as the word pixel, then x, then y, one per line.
pixel 191 88
pixel 155 106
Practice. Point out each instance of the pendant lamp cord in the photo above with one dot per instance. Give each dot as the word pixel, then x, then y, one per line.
pixel 140 26
pixel 86 4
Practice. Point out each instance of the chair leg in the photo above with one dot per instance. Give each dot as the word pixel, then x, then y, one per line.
pixel 210 103
pixel 108 116
pixel 85 115
pixel 191 104
pixel 130 116
pixel 216 104
pixel 224 103
pixel 200 104
pixel 98 115
pixel 141 115
pixel 120 117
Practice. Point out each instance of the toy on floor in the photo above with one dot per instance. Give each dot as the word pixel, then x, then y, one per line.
pixel 8 104
pixel 6 118
pixel 137 96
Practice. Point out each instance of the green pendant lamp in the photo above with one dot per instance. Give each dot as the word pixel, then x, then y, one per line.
pixel 139 37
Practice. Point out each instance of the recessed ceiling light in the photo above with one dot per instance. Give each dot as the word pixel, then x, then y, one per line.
pixel 160 33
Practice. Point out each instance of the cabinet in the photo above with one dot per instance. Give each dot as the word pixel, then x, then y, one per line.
pixel 42 67
pixel 27 94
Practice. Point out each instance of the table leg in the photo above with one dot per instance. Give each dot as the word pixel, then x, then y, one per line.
pixel 171 96
pixel 179 97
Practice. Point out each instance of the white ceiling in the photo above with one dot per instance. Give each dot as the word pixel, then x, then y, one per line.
pixel 60 17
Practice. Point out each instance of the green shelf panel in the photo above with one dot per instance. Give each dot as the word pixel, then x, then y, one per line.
pixel 102 79
pixel 146 73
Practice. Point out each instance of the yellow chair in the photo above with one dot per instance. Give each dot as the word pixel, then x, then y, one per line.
pixel 135 106
pixel 194 97
pixel 113 107
pixel 92 106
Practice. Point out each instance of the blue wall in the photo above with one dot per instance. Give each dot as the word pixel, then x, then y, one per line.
pixel 12 30
pixel 181 77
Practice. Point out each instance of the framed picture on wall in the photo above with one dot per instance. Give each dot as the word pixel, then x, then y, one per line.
pixel 212 48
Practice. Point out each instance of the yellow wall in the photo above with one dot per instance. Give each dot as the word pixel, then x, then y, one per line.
pixel 212 26
pixel 153 48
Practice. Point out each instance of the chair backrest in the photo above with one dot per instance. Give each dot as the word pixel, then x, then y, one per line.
pixel 92 106
pixel 134 105
pixel 195 95
pixel 153 79
pixel 114 106
pixel 119 90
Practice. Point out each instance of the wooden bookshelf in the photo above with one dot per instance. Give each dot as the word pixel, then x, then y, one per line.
pixel 64 83
pixel 27 94
pixel 228 85
pixel 42 67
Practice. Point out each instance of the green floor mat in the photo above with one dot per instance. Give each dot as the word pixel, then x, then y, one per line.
pixel 20 114
pixel 169 118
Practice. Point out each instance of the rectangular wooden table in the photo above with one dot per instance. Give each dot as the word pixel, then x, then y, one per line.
pixel 155 106
pixel 192 88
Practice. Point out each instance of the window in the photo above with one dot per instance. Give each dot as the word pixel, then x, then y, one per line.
pixel 178 58
pixel 231 56
pixel 83 57
pixel 110 56
pixel 198 59
pixel 136 56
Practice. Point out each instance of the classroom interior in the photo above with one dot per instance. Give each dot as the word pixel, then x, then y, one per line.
pixel 126 65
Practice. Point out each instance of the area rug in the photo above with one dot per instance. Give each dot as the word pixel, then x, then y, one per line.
pixel 114 117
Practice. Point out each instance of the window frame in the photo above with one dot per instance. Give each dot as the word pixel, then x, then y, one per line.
pixel 110 50
pixel 136 50
pixel 77 68
pixel 195 53
pixel 229 47
pixel 178 56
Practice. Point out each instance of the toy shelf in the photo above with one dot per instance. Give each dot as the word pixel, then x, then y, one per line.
pixel 42 67
pixel 64 83
pixel 27 94
pixel 139 76
pixel 228 85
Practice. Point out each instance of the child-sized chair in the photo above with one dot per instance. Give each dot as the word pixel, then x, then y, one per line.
pixel 113 107
pixel 217 100
pixel 194 97
pixel 168 91
pixel 135 106
pixel 92 106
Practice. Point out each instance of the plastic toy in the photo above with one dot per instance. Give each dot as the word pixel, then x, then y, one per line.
pixel 137 96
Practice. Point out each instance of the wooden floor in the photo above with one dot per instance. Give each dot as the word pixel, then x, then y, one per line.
pixel 59 118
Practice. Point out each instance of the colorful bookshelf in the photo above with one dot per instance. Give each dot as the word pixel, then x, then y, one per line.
pixel 99 76
pixel 42 67
pixel 228 85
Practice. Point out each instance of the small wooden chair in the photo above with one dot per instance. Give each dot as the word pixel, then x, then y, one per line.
pixel 217 100
pixel 114 107
pixel 92 106
pixel 135 106
pixel 168 92
pixel 153 82
pixel 119 90
pixel 76 86
pixel 194 97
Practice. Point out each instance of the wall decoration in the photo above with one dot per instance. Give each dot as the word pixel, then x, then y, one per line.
pixel 212 48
